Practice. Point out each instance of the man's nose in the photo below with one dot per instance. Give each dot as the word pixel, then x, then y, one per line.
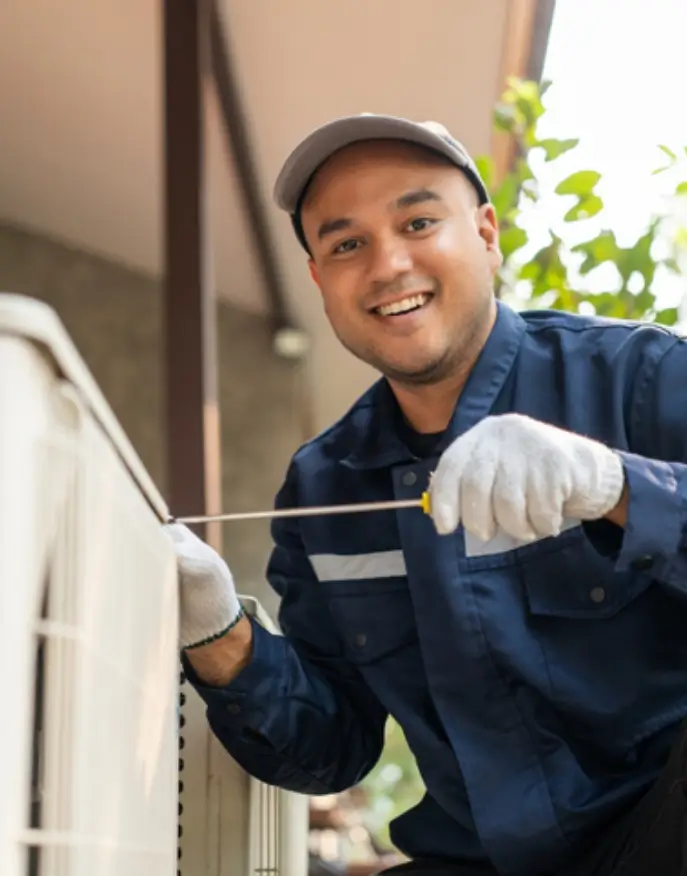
pixel 389 257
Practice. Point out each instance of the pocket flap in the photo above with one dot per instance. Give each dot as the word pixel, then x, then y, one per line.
pixel 575 581
pixel 374 624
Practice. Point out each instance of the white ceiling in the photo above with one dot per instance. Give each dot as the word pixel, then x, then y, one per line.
pixel 81 122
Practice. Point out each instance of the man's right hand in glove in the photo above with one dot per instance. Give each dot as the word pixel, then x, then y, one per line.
pixel 213 630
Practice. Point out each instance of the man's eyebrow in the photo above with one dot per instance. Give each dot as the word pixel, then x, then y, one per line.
pixel 418 196
pixel 331 226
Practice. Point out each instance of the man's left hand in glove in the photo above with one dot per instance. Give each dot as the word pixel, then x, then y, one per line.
pixel 523 477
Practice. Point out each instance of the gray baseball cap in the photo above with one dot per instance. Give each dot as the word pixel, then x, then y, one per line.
pixel 324 141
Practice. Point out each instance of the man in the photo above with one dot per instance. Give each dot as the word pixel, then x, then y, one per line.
pixel 529 636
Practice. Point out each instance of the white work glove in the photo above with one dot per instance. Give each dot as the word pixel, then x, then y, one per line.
pixel 523 477
pixel 208 604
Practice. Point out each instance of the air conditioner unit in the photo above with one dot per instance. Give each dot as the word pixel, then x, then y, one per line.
pixel 91 745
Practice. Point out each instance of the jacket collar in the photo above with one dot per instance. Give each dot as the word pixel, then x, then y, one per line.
pixel 379 444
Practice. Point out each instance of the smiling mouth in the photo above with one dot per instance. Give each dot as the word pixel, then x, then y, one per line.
pixel 404 305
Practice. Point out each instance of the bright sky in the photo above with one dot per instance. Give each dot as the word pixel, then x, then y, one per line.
pixel 618 74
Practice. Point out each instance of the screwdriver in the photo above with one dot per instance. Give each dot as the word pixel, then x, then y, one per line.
pixel 422 502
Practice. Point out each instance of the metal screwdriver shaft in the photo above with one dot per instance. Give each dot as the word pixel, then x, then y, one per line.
pixel 358 508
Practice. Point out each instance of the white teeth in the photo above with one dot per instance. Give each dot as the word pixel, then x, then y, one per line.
pixel 404 305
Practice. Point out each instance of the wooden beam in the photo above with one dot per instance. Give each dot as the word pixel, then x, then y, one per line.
pixel 190 345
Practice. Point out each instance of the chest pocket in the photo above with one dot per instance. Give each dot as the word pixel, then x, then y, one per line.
pixel 566 577
pixel 374 617
pixel 370 603
pixel 599 634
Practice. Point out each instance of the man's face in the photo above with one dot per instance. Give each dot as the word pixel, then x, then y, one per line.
pixel 404 257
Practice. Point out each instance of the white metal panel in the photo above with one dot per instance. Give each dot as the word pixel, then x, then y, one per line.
pixel 88 626
pixel 24 395
pixel 24 317
pixel 232 824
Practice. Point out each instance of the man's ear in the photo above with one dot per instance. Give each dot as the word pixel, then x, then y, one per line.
pixel 314 273
pixel 488 227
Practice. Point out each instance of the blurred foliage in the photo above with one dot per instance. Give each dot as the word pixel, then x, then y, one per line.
pixel 394 785
pixel 554 276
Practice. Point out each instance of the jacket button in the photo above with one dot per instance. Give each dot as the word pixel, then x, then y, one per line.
pixel 361 640
pixel 409 478
pixel 597 594
pixel 641 564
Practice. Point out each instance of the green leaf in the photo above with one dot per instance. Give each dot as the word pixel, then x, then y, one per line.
pixel 530 190
pixel 600 249
pixel 553 274
pixel 681 188
pixel 638 257
pixel 505 118
pixel 512 239
pixel 485 167
pixel 580 183
pixel 505 197
pixel 529 271
pixel 605 303
pixel 669 316
pixel 525 171
pixel 585 208
pixel 644 301
pixel 531 108
pixel 669 152
pixel 554 148
pixel 609 304
pixel 567 299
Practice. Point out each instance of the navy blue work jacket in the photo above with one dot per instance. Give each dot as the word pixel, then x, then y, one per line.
pixel 540 687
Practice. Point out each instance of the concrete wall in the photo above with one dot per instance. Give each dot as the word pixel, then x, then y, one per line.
pixel 114 316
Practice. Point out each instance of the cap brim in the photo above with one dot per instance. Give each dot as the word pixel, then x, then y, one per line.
pixel 328 139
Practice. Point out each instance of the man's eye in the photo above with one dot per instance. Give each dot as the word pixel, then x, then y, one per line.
pixel 346 246
pixel 420 224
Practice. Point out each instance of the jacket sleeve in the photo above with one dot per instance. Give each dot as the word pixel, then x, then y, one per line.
pixel 655 536
pixel 299 716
